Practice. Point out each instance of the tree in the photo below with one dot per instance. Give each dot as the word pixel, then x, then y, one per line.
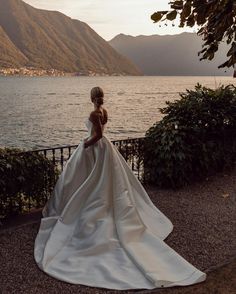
pixel 216 19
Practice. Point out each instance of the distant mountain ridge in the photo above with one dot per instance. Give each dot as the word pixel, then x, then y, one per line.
pixel 49 39
pixel 169 54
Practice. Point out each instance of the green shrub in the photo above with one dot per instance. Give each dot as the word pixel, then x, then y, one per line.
pixel 195 138
pixel 26 181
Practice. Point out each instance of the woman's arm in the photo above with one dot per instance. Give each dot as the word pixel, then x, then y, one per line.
pixel 95 119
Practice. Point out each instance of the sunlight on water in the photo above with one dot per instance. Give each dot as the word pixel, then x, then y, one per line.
pixel 49 112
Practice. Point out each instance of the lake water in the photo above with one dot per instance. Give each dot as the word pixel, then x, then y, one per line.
pixel 49 112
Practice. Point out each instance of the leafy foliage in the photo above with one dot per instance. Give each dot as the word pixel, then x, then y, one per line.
pixel 25 181
pixel 196 137
pixel 217 21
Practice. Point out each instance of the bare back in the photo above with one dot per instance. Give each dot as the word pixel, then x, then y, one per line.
pixel 99 118
pixel 103 115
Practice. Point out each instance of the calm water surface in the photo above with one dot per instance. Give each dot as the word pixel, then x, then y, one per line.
pixel 49 112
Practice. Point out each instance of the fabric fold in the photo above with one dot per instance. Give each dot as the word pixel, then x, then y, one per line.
pixel 101 229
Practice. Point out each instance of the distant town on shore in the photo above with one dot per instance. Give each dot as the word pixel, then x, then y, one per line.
pixel 34 72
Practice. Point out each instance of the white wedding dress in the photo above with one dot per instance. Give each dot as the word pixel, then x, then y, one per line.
pixel 100 228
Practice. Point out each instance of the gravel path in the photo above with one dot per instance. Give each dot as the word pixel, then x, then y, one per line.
pixel 204 233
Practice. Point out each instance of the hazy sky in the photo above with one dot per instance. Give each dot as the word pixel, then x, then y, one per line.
pixel 112 17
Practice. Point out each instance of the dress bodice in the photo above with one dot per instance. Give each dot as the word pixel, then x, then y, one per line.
pixel 89 126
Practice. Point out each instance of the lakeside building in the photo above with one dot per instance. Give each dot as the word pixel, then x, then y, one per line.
pixel 35 72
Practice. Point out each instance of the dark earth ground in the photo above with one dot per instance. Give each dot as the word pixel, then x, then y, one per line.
pixel 204 218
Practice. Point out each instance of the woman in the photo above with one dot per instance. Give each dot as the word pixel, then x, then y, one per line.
pixel 100 228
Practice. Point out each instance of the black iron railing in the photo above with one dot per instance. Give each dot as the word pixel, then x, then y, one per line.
pixel 129 148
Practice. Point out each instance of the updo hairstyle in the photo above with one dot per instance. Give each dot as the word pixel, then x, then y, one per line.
pixel 97 96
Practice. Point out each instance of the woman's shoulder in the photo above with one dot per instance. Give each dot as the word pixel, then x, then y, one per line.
pixel 102 112
pixel 94 116
pixel 99 114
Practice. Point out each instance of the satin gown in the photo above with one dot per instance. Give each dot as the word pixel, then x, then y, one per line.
pixel 100 228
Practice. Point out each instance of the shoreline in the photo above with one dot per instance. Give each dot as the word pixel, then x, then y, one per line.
pixel 37 72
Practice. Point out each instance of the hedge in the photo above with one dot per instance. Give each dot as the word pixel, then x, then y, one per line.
pixel 196 137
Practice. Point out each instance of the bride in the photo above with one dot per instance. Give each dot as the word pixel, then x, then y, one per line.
pixel 100 228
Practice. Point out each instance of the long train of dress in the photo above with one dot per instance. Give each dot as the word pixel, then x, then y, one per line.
pixel 100 228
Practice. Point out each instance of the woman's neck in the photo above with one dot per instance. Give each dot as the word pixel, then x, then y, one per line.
pixel 97 107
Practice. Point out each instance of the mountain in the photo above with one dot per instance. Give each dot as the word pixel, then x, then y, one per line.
pixel 49 39
pixel 10 55
pixel 169 54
